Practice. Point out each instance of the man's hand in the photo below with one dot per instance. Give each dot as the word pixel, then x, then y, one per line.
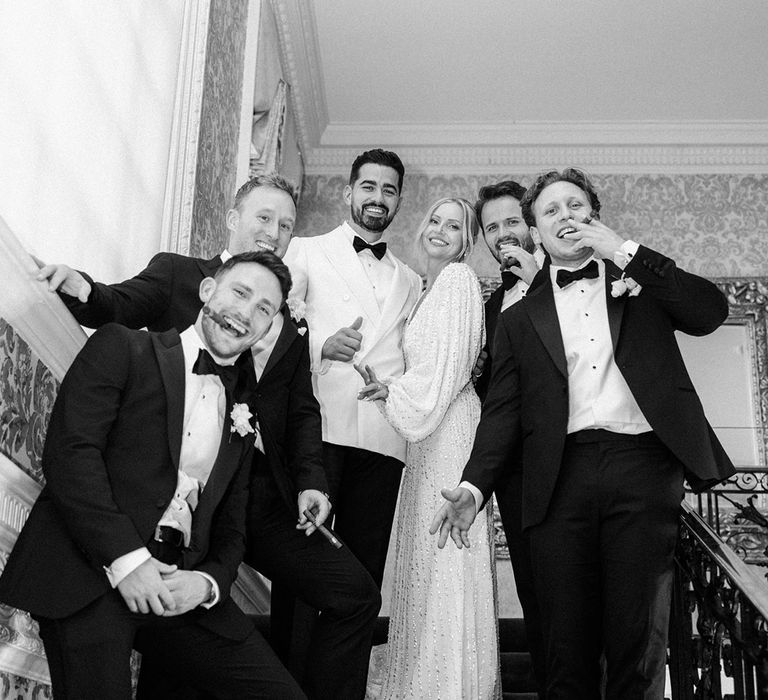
pixel 344 343
pixel 374 390
pixel 144 589
pixel 605 242
pixel 63 278
pixel 316 502
pixel 455 517
pixel 526 268
pixel 477 370
pixel 188 589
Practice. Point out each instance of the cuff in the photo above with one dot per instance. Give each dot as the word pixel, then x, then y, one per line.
pixel 627 251
pixel 122 566
pixel 475 492
pixel 215 594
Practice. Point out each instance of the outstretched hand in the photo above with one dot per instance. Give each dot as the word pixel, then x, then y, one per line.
pixel 455 517
pixel 62 278
pixel 374 390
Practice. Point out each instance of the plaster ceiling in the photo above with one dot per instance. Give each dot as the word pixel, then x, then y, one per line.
pixel 475 82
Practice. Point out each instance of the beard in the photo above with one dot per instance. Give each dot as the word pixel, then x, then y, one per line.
pixel 374 224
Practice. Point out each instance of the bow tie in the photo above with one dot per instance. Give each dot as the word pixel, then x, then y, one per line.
pixel 589 272
pixel 509 280
pixel 378 249
pixel 228 374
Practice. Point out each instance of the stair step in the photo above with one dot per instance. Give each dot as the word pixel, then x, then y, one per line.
pixel 517 672
pixel 512 635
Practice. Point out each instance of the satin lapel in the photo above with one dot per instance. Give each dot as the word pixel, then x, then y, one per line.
pixel 287 336
pixel 170 360
pixel 345 260
pixel 224 468
pixel 539 303
pixel 614 305
pixel 492 311
pixel 397 298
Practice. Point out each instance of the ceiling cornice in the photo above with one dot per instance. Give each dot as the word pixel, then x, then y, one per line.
pixel 611 147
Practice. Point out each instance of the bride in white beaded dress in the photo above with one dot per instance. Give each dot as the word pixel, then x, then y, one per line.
pixel 442 632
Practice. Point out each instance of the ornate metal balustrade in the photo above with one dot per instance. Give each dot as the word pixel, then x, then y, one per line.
pixel 719 623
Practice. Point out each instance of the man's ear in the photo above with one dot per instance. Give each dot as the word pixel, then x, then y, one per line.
pixel 535 235
pixel 207 288
pixel 347 194
pixel 232 219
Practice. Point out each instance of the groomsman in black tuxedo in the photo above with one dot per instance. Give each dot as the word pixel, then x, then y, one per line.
pixel 589 384
pixel 509 240
pixel 137 536
pixel 289 478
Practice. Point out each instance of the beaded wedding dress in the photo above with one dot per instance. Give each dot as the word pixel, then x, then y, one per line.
pixel 443 625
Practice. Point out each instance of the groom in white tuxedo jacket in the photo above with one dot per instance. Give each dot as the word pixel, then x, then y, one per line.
pixel 356 297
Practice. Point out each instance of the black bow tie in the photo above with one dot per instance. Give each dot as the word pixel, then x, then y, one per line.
pixel 509 280
pixel 588 272
pixel 378 249
pixel 229 374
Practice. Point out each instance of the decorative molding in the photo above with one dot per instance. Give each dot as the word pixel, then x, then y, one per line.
pixel 549 133
pixel 300 58
pixel 608 159
pixel 185 128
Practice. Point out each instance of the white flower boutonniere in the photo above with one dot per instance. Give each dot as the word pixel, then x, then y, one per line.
pixel 297 307
pixel 241 420
pixel 625 285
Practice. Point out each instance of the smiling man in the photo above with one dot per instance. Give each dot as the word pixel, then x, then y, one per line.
pixel 590 389
pixel 137 536
pixel 358 295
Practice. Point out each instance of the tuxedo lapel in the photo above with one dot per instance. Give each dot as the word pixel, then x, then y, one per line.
pixel 397 298
pixel 539 303
pixel 614 305
pixel 345 260
pixel 492 311
pixel 284 340
pixel 170 360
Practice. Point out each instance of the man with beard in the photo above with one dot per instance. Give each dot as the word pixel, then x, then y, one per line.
pixel 136 538
pixel 358 296
pixel 290 478
pixel 509 240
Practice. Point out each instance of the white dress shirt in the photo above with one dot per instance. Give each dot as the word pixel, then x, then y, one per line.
pixel 204 406
pixel 380 272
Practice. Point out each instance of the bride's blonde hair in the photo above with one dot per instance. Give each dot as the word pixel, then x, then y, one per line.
pixel 469 231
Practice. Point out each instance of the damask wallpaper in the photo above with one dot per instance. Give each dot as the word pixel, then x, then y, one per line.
pixel 220 126
pixel 713 225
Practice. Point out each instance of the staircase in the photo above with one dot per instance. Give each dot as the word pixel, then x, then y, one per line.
pixel 516 673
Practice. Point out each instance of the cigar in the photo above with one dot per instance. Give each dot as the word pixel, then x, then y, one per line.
pixel 323 529
pixel 217 317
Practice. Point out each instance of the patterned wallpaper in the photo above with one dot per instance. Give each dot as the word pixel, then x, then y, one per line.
pixel 220 126
pixel 713 225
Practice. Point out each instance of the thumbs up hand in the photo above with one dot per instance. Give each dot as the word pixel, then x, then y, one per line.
pixel 344 343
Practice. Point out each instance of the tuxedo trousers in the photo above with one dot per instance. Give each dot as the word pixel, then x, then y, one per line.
pixel 89 655
pixel 603 566
pixel 509 498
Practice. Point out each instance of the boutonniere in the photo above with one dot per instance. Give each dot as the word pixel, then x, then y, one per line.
pixel 625 285
pixel 241 420
pixel 301 330
pixel 297 307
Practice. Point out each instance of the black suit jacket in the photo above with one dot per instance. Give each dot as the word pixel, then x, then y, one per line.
pixel 527 403
pixel 492 312
pixel 165 295
pixel 110 461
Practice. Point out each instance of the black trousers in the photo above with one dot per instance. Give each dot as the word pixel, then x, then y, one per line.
pixel 510 499
pixel 363 488
pixel 89 654
pixel 603 565
pixel 330 657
